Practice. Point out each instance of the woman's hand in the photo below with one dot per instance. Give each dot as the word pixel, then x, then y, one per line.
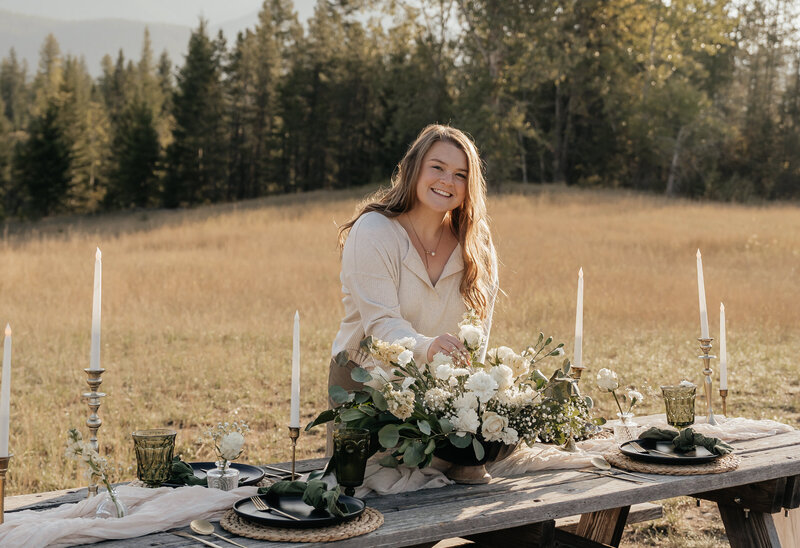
pixel 449 345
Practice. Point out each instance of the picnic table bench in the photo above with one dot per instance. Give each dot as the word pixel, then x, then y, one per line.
pixel 758 503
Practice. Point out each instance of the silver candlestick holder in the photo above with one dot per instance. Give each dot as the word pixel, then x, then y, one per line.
pixel 93 422
pixel 705 347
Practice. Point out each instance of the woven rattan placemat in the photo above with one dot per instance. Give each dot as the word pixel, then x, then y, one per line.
pixel 367 522
pixel 725 463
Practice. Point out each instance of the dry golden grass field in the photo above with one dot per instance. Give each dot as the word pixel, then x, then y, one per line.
pixel 198 306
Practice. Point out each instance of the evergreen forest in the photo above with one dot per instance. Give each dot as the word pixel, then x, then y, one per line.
pixel 694 98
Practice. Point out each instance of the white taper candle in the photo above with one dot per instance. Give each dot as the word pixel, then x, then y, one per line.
pixel 723 350
pixel 702 297
pixel 578 353
pixel 5 394
pixel 94 361
pixel 294 417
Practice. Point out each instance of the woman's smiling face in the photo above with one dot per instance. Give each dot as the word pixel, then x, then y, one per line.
pixel 442 180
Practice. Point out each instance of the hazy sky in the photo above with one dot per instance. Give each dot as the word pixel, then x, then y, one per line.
pixel 182 12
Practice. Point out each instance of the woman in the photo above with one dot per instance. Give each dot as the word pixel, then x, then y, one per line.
pixel 416 257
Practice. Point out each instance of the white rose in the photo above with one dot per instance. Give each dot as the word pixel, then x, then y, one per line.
pixel 493 425
pixel 482 384
pixel 465 420
pixel 380 378
pixel 505 354
pixel 503 376
pixel 406 342
pixel 440 358
pixel 405 357
pixel 407 382
pixel 607 380
pixel 519 365
pixel 467 400
pixel 471 336
pixel 443 371
pixel 230 446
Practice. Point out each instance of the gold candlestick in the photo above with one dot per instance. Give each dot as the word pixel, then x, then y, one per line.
pixel 3 470
pixel 724 394
pixel 93 422
pixel 294 433
pixel 576 371
pixel 705 346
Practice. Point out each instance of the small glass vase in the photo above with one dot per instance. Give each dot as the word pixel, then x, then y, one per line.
pixel 111 506
pixel 223 477
pixel 626 429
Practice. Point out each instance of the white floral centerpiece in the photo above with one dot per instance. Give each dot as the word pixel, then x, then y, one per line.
pixel 450 405
pixel 97 469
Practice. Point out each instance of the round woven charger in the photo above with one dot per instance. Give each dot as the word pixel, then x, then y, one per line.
pixel 370 520
pixel 725 463
pixel 265 482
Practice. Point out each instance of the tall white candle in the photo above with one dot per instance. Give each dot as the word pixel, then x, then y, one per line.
pixel 702 297
pixel 294 417
pixel 723 350
pixel 578 353
pixel 5 393
pixel 94 362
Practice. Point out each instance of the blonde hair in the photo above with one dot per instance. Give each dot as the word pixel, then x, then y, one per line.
pixel 469 221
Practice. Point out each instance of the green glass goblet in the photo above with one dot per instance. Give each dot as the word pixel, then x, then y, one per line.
pixel 679 404
pixel 154 449
pixel 350 452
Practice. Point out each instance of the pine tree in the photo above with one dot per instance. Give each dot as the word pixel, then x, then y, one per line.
pixel 43 164
pixel 134 182
pixel 196 156
pixel 13 90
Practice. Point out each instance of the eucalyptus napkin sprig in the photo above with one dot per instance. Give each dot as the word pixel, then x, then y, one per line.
pixel 315 493
pixel 687 439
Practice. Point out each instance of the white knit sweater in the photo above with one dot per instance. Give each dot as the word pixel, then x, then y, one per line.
pixel 388 293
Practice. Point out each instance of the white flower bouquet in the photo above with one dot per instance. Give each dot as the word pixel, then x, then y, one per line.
pixel 228 440
pixel 415 411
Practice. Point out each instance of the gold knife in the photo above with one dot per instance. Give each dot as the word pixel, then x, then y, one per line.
pixel 198 539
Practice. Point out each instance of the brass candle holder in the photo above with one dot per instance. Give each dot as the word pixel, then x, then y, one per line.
pixel 294 433
pixel 576 371
pixel 93 422
pixel 723 392
pixel 705 347
pixel 3 470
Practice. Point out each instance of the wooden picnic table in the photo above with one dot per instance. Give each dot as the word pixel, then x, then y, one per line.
pixel 758 503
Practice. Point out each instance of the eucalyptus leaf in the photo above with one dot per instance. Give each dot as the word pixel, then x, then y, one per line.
pixel 460 441
pixel 388 461
pixel 366 344
pixel 389 436
pixel 338 394
pixel 414 454
pixel 325 416
pixel 430 447
pixel 566 367
pixel 368 410
pixel 377 399
pixel 589 401
pixel 478 448
pixel 445 425
pixel 424 427
pixel 352 414
pixel 361 397
pixel 359 374
pixel 541 338
pixel 548 341
pixel 342 358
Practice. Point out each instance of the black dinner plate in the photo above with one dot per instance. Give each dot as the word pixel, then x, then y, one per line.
pixel 294 505
pixel 697 455
pixel 248 474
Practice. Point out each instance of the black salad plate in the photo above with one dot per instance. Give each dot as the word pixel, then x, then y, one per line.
pixel 698 455
pixel 248 474
pixel 294 505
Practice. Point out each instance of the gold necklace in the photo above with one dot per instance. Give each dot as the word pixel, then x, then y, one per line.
pixel 432 253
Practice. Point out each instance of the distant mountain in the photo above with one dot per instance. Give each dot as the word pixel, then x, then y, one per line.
pixel 92 39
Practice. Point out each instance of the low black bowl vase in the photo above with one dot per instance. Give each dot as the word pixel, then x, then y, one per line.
pixel 465 467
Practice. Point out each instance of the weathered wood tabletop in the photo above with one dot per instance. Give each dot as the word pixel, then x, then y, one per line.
pixel 753 502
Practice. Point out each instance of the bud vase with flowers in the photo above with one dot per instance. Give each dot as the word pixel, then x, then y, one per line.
pixel 97 468
pixel 627 428
pixel 228 439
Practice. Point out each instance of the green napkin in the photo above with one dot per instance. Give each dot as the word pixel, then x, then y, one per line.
pixel 182 474
pixel 687 439
pixel 314 492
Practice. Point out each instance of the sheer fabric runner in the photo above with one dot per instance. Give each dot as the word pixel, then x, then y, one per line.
pixel 153 510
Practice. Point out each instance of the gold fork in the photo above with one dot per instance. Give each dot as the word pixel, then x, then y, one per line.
pixel 262 506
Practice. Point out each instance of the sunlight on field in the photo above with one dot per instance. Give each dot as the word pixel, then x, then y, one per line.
pixel 197 310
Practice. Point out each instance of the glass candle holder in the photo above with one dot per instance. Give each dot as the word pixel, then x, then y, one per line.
pixel 679 404
pixel 350 451
pixel 154 449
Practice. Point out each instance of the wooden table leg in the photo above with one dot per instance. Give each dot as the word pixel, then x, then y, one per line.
pixel 753 530
pixel 605 526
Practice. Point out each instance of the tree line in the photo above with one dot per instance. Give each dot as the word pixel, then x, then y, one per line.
pixel 698 98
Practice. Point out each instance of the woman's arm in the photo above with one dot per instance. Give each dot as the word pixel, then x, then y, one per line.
pixel 371 262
